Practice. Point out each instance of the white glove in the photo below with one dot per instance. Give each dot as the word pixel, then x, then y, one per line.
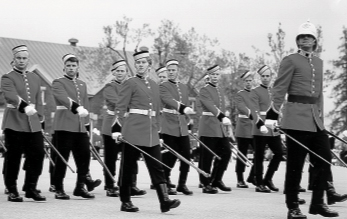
pixel 82 112
pixel 344 133
pixel 161 141
pixel 263 129
pixel 117 136
pixel 188 110
pixel 226 121
pixel 271 124
pixel 30 110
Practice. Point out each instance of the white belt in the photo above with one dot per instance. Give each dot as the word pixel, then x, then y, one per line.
pixel 207 114
pixel 262 113
pixel 61 107
pixel 142 112
pixel 13 107
pixel 110 112
pixel 243 116
pixel 172 111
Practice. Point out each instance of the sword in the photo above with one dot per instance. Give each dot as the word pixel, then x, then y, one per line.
pixel 240 155
pixel 185 160
pixel 143 152
pixel 205 146
pixel 3 146
pixel 98 158
pixel 56 151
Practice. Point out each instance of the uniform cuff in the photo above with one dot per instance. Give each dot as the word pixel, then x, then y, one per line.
pixel 220 116
pixel 181 108
pixel 22 105
pixel 74 107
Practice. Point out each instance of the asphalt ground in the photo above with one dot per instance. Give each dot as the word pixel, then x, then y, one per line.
pixel 237 204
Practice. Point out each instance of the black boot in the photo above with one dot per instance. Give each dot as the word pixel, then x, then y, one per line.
pixel 262 188
pixel 268 180
pixel 333 196
pixel 13 195
pixel 80 190
pixel 217 181
pixel 112 191
pixel 134 190
pixel 128 207
pixel 208 189
pixel 165 203
pixel 60 194
pixel 32 192
pixel 295 213
pixel 240 181
pixel 251 177
pixel 318 207
pixel 92 184
pixel 169 183
pixel 182 187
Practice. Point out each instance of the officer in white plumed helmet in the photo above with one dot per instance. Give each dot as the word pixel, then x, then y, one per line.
pixel 300 77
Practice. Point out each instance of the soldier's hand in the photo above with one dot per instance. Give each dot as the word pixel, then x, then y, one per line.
pixel 161 141
pixel 117 136
pixel 188 110
pixel 271 124
pixel 82 112
pixel 226 121
pixel 263 129
pixel 30 110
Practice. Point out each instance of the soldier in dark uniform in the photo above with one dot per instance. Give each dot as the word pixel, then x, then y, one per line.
pixel 71 126
pixel 243 132
pixel 162 74
pixel 260 100
pixel 300 77
pixel 139 96
pixel 174 123
pixel 22 125
pixel 212 133
pixel 111 90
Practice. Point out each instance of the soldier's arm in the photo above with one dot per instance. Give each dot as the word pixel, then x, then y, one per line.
pixel 280 87
pixel 110 94
pixel 241 106
pixel 122 105
pixel 207 101
pixel 167 98
pixel 11 95
pixel 60 94
pixel 87 107
pixel 39 105
pixel 254 99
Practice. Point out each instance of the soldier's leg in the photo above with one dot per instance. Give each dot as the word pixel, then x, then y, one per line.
pixel 169 159
pixel 275 144
pixel 184 151
pixel 259 145
pixel 242 144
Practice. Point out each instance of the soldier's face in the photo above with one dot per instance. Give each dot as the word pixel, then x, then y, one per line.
pixel 266 77
pixel 214 77
pixel 172 72
pixel 163 76
pixel 71 68
pixel 141 66
pixel 247 83
pixel 306 42
pixel 120 73
pixel 21 60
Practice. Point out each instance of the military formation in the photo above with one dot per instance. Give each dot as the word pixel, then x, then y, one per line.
pixel 149 120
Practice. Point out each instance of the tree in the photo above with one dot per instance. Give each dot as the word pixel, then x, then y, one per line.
pixel 338 79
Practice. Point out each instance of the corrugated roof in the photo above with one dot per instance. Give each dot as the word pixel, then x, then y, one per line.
pixel 46 59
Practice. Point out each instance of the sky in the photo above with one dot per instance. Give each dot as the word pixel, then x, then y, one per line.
pixel 237 24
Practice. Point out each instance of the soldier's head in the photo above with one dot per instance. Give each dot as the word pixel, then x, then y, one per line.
pixel 172 66
pixel 306 39
pixel 20 57
pixel 71 65
pixel 207 79
pixel 143 62
pixel 119 70
pixel 162 74
pixel 247 78
pixel 214 74
pixel 265 75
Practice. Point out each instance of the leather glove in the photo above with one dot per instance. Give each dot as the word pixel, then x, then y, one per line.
pixel 82 112
pixel 263 129
pixel 117 136
pixel 188 110
pixel 226 121
pixel 30 110
pixel 271 124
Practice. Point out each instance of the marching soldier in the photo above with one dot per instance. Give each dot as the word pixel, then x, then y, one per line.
pixel 174 124
pixel 139 96
pixel 300 77
pixel 111 90
pixel 260 100
pixel 243 132
pixel 162 74
pixel 22 125
pixel 212 133
pixel 71 126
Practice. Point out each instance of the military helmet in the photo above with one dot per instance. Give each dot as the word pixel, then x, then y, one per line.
pixel 307 28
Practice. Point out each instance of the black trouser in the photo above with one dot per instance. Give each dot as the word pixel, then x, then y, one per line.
pixel 111 150
pixel 275 144
pixel 17 143
pixel 221 147
pixel 182 146
pixel 318 142
pixel 242 144
pixel 53 155
pixel 130 156
pixel 78 143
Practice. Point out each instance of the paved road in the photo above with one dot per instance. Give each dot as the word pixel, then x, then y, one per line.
pixel 238 204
